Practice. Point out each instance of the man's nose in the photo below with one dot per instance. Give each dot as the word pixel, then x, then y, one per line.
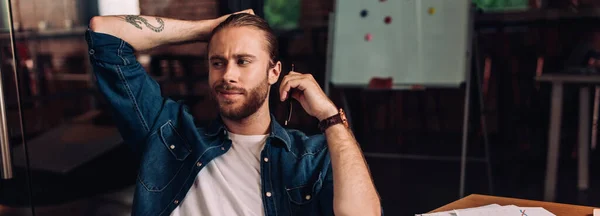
pixel 231 74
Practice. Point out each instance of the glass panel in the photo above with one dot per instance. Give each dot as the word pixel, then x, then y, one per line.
pixel 15 193
pixel 77 161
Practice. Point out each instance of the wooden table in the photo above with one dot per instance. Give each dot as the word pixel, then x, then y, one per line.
pixel 476 200
pixel 558 81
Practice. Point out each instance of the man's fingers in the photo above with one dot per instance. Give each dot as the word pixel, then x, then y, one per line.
pixel 286 87
pixel 250 11
pixel 291 75
pixel 293 80
pixel 295 94
pixel 288 84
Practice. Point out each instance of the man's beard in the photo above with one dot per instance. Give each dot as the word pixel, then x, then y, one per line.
pixel 252 100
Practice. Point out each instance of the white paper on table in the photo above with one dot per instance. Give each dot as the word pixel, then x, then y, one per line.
pixel 453 212
pixel 505 211
pixel 495 211
pixel 536 211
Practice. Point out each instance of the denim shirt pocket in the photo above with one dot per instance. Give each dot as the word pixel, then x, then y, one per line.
pixel 174 142
pixel 301 197
pixel 163 159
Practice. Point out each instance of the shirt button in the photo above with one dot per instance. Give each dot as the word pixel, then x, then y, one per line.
pixel 268 194
pixel 176 202
pixel 223 148
pixel 266 159
pixel 172 146
pixel 198 164
pixel 307 197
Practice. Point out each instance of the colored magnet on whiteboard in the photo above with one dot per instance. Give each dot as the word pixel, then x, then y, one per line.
pixel 381 83
pixel 364 13
pixel 387 20
pixel 368 37
pixel 431 10
pixel 417 87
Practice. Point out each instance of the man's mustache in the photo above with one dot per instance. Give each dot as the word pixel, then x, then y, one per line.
pixel 229 88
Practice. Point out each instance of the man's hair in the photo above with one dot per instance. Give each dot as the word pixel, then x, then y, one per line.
pixel 246 19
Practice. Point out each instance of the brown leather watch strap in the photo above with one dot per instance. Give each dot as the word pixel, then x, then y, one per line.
pixel 333 120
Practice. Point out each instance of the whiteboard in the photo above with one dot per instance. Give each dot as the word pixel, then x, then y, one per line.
pixel 426 43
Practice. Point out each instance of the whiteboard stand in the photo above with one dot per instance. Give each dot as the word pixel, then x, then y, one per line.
pixel 483 122
pixel 463 158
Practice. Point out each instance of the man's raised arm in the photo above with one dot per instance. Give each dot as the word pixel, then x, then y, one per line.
pixel 138 106
pixel 147 32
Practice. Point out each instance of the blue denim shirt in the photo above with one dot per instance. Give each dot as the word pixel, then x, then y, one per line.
pixel 295 180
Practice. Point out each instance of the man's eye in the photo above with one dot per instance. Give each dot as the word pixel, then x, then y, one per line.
pixel 243 62
pixel 217 64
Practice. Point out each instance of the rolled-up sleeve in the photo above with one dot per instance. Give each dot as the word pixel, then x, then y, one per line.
pixel 135 98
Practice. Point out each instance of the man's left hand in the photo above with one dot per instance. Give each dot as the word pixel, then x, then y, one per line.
pixel 305 89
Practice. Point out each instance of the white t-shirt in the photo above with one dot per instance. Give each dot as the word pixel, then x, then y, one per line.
pixel 230 184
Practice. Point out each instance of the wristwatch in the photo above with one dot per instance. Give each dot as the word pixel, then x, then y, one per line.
pixel 333 120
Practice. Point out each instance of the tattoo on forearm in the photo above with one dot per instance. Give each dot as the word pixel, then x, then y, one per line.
pixel 136 21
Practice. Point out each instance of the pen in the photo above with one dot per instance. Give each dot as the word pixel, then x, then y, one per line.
pixel 290 104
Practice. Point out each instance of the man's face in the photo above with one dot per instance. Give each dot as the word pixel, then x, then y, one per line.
pixel 239 72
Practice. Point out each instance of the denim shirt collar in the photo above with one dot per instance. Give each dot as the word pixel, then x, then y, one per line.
pixel 277 131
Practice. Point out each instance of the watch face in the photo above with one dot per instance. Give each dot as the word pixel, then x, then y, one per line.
pixel 343 117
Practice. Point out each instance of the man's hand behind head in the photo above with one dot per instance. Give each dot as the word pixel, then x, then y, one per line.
pixel 224 17
pixel 250 11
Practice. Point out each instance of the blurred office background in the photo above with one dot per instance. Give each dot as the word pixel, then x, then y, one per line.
pixel 68 159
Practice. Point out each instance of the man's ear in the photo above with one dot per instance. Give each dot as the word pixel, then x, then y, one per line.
pixel 274 73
